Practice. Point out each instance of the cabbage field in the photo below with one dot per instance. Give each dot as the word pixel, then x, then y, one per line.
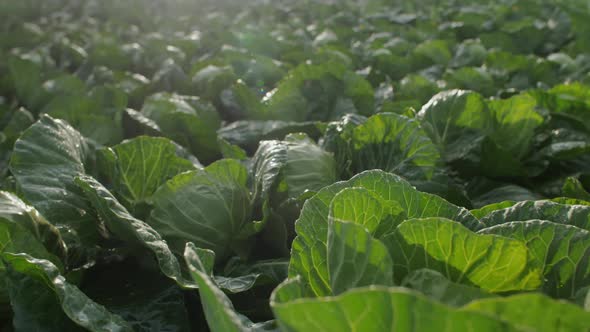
pixel 303 165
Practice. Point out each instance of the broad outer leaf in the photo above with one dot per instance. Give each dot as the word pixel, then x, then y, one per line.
pixel 393 143
pixel 143 164
pixel 283 171
pixel 46 159
pixel 397 193
pixel 374 309
pixel 563 249
pixel 361 206
pixel 134 231
pixel 576 215
pixel 17 216
pixel 516 121
pixel 34 306
pixel 139 233
pixel 208 207
pixel 493 263
pixel 308 253
pixel 534 312
pixel 336 138
pixel 296 163
pixel 355 258
pixel 32 278
pixel 487 209
pixel 457 121
pixel 437 287
pixel 24 230
pixel 267 163
pixel 228 170
pixel 308 167
pixel 572 100
pixel 358 205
